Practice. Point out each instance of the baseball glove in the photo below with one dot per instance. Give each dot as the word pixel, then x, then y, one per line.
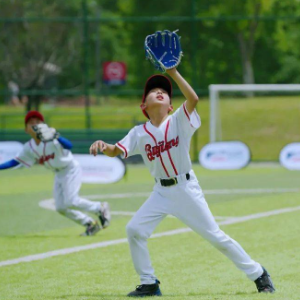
pixel 45 133
pixel 163 50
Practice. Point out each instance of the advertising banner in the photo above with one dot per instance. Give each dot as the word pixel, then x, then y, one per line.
pixel 290 156
pixel 100 168
pixel 230 155
pixel 9 150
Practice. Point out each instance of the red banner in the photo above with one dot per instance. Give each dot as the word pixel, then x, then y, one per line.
pixel 114 72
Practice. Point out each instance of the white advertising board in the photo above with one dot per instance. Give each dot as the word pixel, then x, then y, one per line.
pixel 230 155
pixel 9 150
pixel 290 156
pixel 100 168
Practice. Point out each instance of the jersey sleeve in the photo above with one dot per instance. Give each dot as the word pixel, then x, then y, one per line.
pixel 189 123
pixel 128 145
pixel 57 145
pixel 26 157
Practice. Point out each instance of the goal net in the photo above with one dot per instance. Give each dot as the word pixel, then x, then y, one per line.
pixel 266 122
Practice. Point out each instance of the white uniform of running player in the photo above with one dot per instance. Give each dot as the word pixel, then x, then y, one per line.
pixel 165 151
pixel 67 178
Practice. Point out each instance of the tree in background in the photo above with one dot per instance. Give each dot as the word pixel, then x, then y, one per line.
pixel 35 52
pixel 247 31
pixel 286 41
pixel 221 44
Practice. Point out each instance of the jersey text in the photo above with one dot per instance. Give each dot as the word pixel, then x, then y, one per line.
pixel 161 147
pixel 43 159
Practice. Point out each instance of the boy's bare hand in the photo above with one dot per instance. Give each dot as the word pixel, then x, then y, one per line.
pixel 98 145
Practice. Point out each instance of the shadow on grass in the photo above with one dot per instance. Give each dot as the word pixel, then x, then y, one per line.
pixel 188 296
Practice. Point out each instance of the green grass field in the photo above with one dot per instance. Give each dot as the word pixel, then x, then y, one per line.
pixel 265 124
pixel 187 266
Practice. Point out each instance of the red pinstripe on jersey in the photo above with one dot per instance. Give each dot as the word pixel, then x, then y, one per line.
pixel 168 151
pixel 154 139
pixel 33 150
pixel 125 151
pixel 186 112
pixel 23 162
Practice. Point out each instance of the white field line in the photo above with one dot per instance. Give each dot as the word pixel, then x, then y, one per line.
pixel 66 251
pixel 206 192
pixel 49 204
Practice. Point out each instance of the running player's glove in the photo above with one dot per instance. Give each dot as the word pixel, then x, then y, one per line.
pixel 45 133
pixel 163 50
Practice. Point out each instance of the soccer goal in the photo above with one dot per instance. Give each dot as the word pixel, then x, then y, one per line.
pixel 268 119
pixel 215 132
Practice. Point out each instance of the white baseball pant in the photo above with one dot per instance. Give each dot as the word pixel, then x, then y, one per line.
pixel 186 202
pixel 67 184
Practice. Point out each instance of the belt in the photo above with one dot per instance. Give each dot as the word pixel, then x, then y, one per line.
pixel 173 180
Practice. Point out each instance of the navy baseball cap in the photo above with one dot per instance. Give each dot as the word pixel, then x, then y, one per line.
pixel 156 81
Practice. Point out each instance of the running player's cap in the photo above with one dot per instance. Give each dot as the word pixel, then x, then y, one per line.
pixel 33 114
pixel 157 81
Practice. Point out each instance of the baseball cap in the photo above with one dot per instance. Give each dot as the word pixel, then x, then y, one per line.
pixel 33 114
pixel 156 81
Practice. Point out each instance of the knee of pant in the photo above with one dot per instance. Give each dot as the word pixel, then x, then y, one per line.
pixel 134 231
pixel 71 202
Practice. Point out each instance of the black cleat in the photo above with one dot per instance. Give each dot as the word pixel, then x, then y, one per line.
pixel 104 215
pixel 264 283
pixel 146 290
pixel 91 229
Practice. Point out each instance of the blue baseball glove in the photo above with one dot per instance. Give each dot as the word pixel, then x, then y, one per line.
pixel 163 50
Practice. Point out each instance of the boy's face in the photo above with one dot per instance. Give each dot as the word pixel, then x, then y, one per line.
pixel 157 97
pixel 31 122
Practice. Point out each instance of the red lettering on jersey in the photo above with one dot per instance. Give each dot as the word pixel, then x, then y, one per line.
pixel 43 159
pixel 149 153
pixel 156 151
pixel 162 146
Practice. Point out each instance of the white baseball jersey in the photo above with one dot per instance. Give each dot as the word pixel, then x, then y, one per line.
pixel 165 149
pixel 50 154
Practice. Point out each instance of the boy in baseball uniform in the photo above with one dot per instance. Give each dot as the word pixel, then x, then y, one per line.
pixel 164 143
pixel 46 148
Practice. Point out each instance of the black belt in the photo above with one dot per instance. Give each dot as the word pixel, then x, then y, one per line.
pixel 172 181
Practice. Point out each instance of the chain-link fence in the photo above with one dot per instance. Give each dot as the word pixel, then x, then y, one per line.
pixel 56 52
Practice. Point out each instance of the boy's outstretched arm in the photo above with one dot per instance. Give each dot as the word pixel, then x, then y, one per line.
pixel 107 149
pixel 185 88
pixel 9 164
